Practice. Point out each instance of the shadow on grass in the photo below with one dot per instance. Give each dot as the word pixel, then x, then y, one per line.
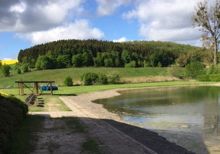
pixel 25 137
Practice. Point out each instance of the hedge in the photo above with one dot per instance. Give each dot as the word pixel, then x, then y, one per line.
pixel 12 114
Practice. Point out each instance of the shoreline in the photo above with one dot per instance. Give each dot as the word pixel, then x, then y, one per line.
pixel 84 106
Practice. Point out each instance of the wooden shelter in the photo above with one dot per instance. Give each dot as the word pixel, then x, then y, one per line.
pixel 35 86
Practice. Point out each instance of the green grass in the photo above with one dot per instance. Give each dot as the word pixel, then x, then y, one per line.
pixel 24 139
pixel 60 74
pixel 75 90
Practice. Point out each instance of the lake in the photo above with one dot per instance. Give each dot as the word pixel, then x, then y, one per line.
pixel 188 116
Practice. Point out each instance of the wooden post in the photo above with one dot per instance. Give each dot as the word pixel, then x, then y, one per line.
pixel 22 88
pixel 19 89
pixel 51 90
pixel 36 88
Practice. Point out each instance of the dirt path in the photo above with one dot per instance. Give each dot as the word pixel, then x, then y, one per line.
pixel 57 137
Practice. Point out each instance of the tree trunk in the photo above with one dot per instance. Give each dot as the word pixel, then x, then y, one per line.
pixel 215 60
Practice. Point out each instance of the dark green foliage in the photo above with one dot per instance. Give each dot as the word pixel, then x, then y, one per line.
pixel 63 61
pixel 102 53
pixel 113 78
pixel 12 114
pixel 108 62
pixel 162 58
pixel 77 60
pixel 126 56
pixel 18 70
pixel 87 59
pixel 89 78
pixel 194 69
pixel 25 68
pixel 93 78
pixel 203 77
pixel 6 70
pixel 102 79
pixel 45 62
pixel 68 81
pixel 194 55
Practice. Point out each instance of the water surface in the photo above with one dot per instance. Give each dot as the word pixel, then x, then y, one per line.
pixel 188 116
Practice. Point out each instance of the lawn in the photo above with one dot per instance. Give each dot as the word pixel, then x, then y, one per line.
pixel 58 75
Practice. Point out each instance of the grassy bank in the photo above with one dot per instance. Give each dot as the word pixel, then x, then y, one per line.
pixel 75 90
pixel 59 75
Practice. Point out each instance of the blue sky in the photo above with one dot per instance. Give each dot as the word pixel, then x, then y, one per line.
pixel 24 23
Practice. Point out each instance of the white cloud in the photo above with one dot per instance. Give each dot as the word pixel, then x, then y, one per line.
pixel 36 15
pixel 18 8
pixel 165 20
pixel 107 7
pixel 122 39
pixel 80 29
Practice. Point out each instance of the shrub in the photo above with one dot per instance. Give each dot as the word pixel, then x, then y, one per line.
pixel 194 69
pixel 6 70
pixel 25 68
pixel 18 70
pixel 213 69
pixel 12 113
pixel 102 79
pixel 68 81
pixel 203 77
pixel 113 78
pixel 89 78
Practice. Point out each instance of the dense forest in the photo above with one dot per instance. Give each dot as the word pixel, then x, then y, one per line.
pixel 80 53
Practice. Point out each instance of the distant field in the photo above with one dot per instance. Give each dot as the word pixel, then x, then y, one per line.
pixel 59 75
pixel 9 62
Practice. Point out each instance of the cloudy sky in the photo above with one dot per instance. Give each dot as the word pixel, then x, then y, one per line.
pixel 24 23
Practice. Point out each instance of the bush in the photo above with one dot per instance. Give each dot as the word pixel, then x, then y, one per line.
pixel 194 69
pixel 6 70
pixel 113 78
pixel 203 77
pixel 89 78
pixel 18 71
pixel 25 68
pixel 68 81
pixel 12 113
pixel 102 79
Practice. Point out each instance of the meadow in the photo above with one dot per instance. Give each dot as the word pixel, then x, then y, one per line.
pixel 58 75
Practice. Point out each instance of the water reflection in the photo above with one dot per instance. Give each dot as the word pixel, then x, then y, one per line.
pixel 188 116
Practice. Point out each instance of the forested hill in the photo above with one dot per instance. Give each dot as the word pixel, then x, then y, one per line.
pixel 103 53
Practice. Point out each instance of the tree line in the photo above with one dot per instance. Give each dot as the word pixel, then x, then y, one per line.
pixel 82 53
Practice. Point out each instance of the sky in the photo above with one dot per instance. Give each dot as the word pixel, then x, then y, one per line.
pixel 24 23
